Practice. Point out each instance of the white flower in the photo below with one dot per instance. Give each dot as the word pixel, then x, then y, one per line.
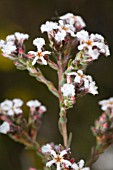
pixel 79 166
pixel 58 159
pixel 10 38
pixel 4 128
pixel 68 90
pixel 20 36
pixel 77 21
pixel 67 16
pixel 105 104
pixel 88 83
pixel 82 35
pixel 8 48
pixel 93 88
pixel 10 108
pixel 17 36
pixel 60 36
pixel 67 28
pixel 17 102
pixel 1 43
pixel 39 42
pixel 39 55
pixel 46 148
pixel 33 103
pixel 79 76
pixel 49 26
pixel 92 44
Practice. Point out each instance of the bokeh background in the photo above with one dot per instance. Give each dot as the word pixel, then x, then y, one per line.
pixel 27 16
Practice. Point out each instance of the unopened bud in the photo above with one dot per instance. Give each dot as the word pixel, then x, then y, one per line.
pixel 21 51
pixel 42 109
pixel 69 79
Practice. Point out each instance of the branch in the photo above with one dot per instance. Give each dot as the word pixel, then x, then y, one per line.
pixel 40 77
pixel 23 65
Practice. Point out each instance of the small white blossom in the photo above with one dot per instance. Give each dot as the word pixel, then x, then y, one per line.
pixel 17 102
pixel 1 43
pixel 67 28
pixel 20 36
pixel 33 103
pixel 79 166
pixel 10 108
pixel 49 26
pixel 58 159
pixel 60 36
pixel 105 104
pixel 4 128
pixel 39 42
pixel 46 148
pixel 92 44
pixel 77 21
pixel 10 38
pixel 67 16
pixel 93 88
pixel 8 48
pixel 87 81
pixel 17 36
pixel 39 55
pixel 68 90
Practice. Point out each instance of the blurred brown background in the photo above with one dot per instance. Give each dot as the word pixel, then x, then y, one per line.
pixel 27 16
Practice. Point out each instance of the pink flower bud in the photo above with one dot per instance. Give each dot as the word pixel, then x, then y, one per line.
pixel 103 117
pixel 32 169
pixel 42 109
pixel 32 110
pixel 72 160
pixel 29 56
pixel 21 51
pixel 105 125
pixel 73 99
pixel 69 79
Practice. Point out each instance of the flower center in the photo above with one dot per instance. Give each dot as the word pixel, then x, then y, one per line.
pixel 81 75
pixel 58 158
pixel 89 42
pixel 111 103
pixel 39 54
pixel 64 28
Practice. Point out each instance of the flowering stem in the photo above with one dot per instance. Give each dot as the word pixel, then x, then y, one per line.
pixel 28 143
pixel 95 155
pixel 21 64
pixel 39 76
pixel 62 114
pixel 97 150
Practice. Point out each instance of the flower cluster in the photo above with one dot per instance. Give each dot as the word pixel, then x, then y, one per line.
pixel 13 44
pixel 104 125
pixel 11 107
pixel 65 28
pixel 61 158
pixel 77 84
pixel 14 121
pixel 92 45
